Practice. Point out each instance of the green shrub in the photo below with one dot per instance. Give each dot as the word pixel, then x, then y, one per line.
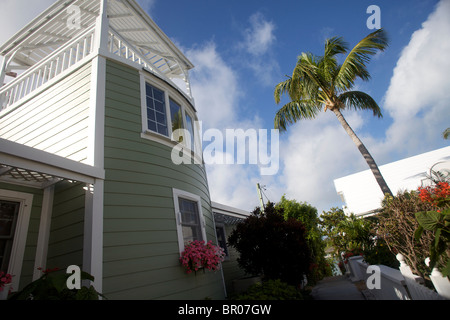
pixel 271 290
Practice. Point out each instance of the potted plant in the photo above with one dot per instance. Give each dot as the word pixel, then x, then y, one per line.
pixel 198 255
pixel 5 284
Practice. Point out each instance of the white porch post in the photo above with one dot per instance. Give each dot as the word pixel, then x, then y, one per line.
pixel 93 233
pixel 44 232
pixel 102 32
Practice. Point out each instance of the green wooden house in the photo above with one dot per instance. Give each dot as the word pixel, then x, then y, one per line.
pixel 92 92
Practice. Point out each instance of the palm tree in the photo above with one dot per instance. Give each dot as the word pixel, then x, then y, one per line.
pixel 320 83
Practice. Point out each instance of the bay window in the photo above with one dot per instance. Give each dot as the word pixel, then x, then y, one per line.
pixel 164 112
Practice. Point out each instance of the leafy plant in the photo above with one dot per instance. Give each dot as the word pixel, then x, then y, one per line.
pixel 52 285
pixel 439 224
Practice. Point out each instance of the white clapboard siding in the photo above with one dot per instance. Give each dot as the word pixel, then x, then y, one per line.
pixel 56 120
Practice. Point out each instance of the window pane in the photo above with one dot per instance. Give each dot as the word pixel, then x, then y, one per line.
pixel 152 125
pixel 221 239
pixel 160 118
pixel 162 129
pixel 176 115
pixel 156 110
pixel 8 219
pixel 190 220
pixel 159 106
pixel 190 128
pixel 158 95
pixel 151 114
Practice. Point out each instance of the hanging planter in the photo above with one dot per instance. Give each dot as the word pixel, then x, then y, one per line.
pixel 197 255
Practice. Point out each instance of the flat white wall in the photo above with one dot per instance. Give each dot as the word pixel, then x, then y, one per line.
pixel 362 194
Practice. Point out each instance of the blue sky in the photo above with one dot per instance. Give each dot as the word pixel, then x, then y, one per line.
pixel 242 49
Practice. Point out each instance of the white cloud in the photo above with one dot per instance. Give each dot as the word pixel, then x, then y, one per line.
pixel 17 14
pixel 314 154
pixel 259 41
pixel 214 86
pixel 418 95
pixel 260 36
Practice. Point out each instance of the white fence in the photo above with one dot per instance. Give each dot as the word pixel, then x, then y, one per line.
pixel 399 284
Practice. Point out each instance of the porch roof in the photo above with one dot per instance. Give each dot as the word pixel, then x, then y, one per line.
pixel 54 28
pixel 23 165
pixel 25 177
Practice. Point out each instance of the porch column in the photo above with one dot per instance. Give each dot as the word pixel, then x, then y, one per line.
pixel 93 233
pixel 44 232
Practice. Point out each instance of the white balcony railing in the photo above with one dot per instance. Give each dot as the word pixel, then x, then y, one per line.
pixel 118 46
pixel 71 54
pixel 51 67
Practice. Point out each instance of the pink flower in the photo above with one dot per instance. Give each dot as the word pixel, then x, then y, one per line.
pixel 198 254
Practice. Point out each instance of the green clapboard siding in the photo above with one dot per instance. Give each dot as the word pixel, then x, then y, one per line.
pixel 67 226
pixel 140 235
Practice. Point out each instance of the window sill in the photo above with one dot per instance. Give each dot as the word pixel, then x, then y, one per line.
pixel 164 140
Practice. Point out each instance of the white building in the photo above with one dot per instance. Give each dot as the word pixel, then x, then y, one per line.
pixel 362 195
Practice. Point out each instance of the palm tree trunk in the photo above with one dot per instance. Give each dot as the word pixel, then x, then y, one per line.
pixel 365 153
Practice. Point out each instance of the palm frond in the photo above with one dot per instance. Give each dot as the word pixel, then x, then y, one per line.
pixel 295 111
pixel 446 133
pixel 328 62
pixel 312 77
pixel 360 101
pixel 281 89
pixel 354 65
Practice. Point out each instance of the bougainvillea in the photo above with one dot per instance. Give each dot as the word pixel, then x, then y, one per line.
pixel 198 255
pixel 437 195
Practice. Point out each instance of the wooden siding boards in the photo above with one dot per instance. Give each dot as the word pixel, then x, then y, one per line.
pixel 56 120
pixel 140 235
pixel 65 246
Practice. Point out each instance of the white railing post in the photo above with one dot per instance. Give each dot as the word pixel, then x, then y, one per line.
pixel 414 283
pixel 440 283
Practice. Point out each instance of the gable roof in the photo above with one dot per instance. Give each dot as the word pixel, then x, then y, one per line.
pixel 50 30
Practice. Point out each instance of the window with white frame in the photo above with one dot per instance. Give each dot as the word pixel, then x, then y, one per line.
pixel 15 211
pixel 189 217
pixel 164 112
pixel 156 110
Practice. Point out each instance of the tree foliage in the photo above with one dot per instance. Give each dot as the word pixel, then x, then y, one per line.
pixel 351 235
pixel 272 246
pixel 307 214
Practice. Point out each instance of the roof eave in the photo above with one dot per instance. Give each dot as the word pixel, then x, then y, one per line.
pixel 187 64
pixel 34 25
